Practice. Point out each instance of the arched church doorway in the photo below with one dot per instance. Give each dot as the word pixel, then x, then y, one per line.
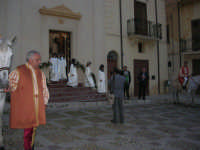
pixel 112 60
pixel 60 45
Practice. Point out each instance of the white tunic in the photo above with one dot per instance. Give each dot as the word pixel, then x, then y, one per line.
pixel 73 76
pixel 89 82
pixel 101 82
pixel 62 68
pixel 54 69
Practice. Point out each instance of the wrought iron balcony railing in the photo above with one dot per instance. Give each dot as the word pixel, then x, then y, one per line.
pixel 190 45
pixel 144 28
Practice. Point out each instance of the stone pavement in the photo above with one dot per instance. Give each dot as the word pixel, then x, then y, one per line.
pixel 147 127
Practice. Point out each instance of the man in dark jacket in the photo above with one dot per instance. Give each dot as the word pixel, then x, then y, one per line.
pixel 118 90
pixel 143 82
pixel 127 76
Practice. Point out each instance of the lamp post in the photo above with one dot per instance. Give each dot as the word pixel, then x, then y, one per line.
pixel 121 38
pixel 158 46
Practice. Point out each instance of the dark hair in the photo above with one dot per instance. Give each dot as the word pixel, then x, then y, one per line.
pixel 101 67
pixel 73 61
pixel 88 63
pixel 116 70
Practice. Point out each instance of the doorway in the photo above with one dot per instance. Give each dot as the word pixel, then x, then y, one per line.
pixel 60 45
pixel 112 60
pixel 196 70
pixel 138 65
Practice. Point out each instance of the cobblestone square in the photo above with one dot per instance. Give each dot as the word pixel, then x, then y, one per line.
pixel 146 127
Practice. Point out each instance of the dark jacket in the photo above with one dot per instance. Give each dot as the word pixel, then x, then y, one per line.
pixel 117 85
pixel 145 80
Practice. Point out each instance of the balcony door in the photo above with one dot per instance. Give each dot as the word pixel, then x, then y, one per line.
pixel 140 12
pixel 196 35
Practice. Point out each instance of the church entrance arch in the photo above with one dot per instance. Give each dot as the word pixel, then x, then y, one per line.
pixel 60 45
pixel 112 61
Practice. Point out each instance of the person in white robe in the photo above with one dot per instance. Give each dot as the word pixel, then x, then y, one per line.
pixel 73 76
pixel 62 68
pixel 101 85
pixel 5 61
pixel 89 82
pixel 54 76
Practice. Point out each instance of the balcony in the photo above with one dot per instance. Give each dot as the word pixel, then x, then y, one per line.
pixel 144 29
pixel 189 45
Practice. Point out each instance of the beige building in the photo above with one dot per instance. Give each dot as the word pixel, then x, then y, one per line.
pixel 183 23
pixel 89 30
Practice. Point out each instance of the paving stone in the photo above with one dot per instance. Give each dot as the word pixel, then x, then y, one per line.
pixel 61 137
pixel 76 113
pixel 184 145
pixel 146 127
pixel 93 131
pixel 68 123
pixel 95 119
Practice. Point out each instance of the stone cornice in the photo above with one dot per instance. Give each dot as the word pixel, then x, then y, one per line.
pixel 60 11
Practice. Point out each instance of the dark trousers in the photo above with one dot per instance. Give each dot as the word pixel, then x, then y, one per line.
pixel 126 90
pixel 118 112
pixel 142 90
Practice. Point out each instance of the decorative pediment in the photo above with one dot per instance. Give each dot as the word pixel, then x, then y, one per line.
pixel 60 11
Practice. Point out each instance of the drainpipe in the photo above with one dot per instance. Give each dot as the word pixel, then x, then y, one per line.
pixel 121 38
pixel 158 47
pixel 179 33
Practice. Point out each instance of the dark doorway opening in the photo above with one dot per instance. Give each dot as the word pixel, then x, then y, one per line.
pixel 138 65
pixel 60 45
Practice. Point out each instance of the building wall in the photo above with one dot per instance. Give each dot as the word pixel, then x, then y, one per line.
pixel 188 13
pixel 112 28
pixel 97 33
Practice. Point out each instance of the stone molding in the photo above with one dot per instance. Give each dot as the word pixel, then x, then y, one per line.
pixel 60 11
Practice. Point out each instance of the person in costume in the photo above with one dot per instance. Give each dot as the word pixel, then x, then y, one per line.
pixel 184 75
pixel 101 80
pixel 89 82
pixel 54 68
pixel 29 95
pixel 73 76
pixel 62 67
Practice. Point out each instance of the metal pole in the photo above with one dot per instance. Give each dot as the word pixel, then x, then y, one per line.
pixel 158 47
pixel 121 40
pixel 179 33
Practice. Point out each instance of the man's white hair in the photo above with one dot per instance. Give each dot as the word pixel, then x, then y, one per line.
pixel 30 54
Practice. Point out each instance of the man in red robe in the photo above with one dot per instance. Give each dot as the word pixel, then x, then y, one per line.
pixel 184 74
pixel 29 95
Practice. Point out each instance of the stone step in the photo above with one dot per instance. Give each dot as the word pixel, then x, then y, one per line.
pixel 60 92
pixel 78 96
pixel 77 100
pixel 74 93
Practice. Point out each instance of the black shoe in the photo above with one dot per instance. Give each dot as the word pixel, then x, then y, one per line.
pixel 121 122
pixel 33 147
pixel 113 121
pixel 2 148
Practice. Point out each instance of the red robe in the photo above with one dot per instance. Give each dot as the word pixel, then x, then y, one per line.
pixel 184 73
pixel 25 112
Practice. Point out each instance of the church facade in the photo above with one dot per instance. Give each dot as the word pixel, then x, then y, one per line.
pixel 89 30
